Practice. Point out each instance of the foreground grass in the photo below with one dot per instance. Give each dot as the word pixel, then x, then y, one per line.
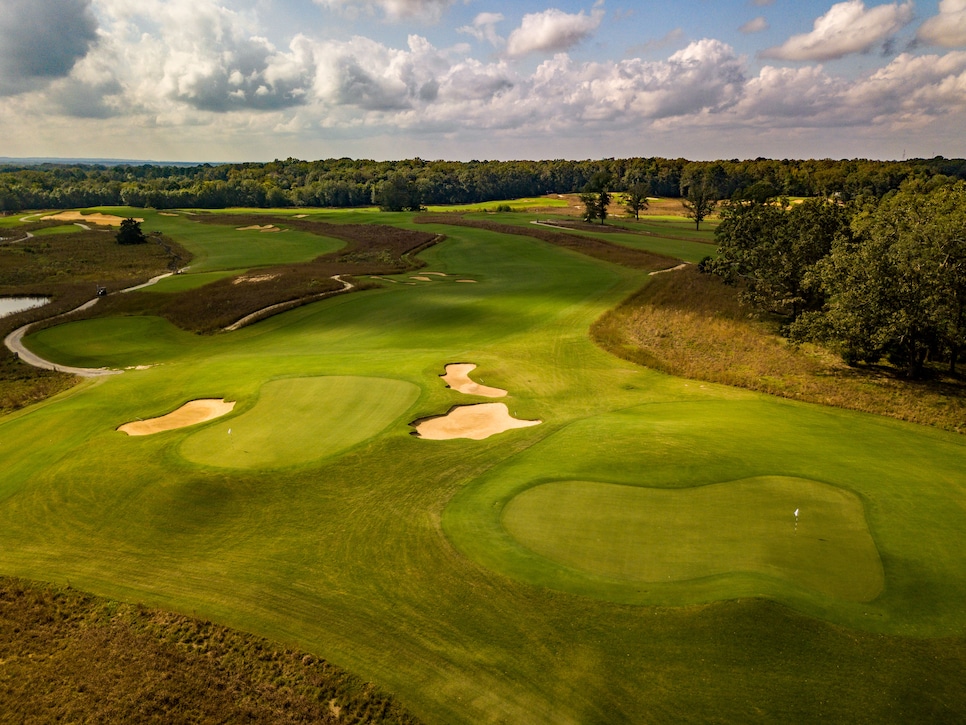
pixel 390 557
pixel 66 656
pixel 692 325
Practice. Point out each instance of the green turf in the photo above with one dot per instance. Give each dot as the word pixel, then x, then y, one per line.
pixel 390 557
pixel 298 420
pixel 53 231
pixel 648 535
pixel 184 282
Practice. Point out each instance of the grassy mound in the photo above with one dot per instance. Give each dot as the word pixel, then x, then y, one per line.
pixel 654 535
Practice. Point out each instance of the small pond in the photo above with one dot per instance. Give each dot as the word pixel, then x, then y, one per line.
pixel 10 305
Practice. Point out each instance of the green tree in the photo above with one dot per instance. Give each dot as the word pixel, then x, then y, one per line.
pixel 699 200
pixel 635 200
pixel 772 250
pixel 595 198
pixel 398 193
pixel 898 288
pixel 130 232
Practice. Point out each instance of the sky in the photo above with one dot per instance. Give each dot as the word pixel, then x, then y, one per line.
pixel 256 80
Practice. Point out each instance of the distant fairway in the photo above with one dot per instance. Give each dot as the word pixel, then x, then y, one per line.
pixel 658 535
pixel 298 420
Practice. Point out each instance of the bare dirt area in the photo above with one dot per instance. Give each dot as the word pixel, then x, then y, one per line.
pixel 191 413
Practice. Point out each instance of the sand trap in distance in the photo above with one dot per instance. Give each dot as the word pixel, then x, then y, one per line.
pixel 75 216
pixel 458 378
pixel 467 281
pixel 191 413
pixel 259 228
pixel 422 279
pixel 475 422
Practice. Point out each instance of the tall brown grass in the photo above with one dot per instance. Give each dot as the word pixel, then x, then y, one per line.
pixel 66 656
pixel 692 325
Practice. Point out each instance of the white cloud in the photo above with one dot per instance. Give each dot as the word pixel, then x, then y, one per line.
pixel 484 28
pixel 947 29
pixel 755 25
pixel 552 31
pixel 848 27
pixel 425 10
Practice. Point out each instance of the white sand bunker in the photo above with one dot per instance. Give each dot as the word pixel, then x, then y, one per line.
pixel 467 281
pixel 75 216
pixel 458 378
pixel 422 279
pixel 167 213
pixel 259 228
pixel 437 274
pixel 255 278
pixel 192 412
pixel 471 421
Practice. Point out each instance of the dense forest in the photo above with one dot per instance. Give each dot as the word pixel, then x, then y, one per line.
pixel 870 279
pixel 348 182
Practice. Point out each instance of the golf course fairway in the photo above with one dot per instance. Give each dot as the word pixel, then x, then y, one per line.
pixel 495 580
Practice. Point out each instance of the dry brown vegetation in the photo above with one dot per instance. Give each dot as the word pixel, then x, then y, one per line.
pixel 692 325
pixel 597 248
pixel 370 249
pixel 66 656
pixel 67 268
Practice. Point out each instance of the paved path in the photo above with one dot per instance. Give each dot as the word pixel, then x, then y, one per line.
pixel 290 304
pixel 14 341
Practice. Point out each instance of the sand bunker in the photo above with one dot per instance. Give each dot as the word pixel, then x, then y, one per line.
pixel 255 278
pixel 259 228
pixel 467 281
pixel 437 274
pixel 167 213
pixel 75 216
pixel 422 279
pixel 471 421
pixel 192 412
pixel 458 378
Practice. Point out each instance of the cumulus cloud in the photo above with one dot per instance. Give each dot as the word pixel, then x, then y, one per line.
pixel 484 28
pixel 848 27
pixel 755 25
pixel 41 40
pixel 947 29
pixel 552 31
pixel 426 10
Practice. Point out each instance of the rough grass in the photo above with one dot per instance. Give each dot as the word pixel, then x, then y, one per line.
pixel 591 246
pixel 66 656
pixel 693 326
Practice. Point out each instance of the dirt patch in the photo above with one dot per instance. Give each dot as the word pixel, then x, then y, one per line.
pixel 458 378
pixel 475 422
pixel 191 413
pixel 109 220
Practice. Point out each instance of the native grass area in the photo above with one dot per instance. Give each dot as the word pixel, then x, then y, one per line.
pixel 657 548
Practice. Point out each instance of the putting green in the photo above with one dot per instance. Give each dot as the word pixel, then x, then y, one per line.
pixel 656 535
pixel 297 420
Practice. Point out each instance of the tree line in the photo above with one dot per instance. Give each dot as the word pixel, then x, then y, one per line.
pixel 872 279
pixel 415 182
